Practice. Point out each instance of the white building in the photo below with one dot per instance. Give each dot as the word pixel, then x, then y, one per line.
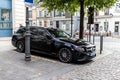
pixel 18 13
pixel 107 20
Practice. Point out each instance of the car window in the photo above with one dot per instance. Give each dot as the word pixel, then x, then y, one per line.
pixel 42 32
pixel 59 33
pixel 21 31
pixel 33 31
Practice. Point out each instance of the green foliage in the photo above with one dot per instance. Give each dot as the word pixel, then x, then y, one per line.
pixel 73 5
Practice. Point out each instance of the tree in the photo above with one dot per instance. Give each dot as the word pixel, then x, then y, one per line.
pixel 73 5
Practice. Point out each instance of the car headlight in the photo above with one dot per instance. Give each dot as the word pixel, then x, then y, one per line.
pixel 78 48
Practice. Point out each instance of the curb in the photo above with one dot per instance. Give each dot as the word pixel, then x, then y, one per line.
pixel 5 38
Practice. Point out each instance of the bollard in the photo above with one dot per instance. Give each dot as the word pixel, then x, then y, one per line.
pixel 87 37
pixel 93 39
pixel 101 44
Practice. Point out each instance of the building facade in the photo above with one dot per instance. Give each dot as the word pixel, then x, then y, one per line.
pixel 18 14
pixel 5 18
pixel 12 13
pixel 41 17
pixel 106 21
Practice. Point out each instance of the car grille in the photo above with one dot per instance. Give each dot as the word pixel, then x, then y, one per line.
pixel 91 49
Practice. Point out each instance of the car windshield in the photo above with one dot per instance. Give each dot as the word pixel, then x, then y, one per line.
pixel 58 33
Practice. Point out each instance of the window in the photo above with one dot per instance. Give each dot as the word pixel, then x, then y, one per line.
pixel 106 26
pixel 116 26
pixel 51 14
pixel 5 18
pixel 96 27
pixel 106 11
pixel 21 31
pixel 51 22
pixel 30 23
pixel 58 14
pixel 5 24
pixel 5 14
pixel 41 32
pixel 45 13
pixel 40 23
pixel 30 14
pixel 40 14
pixel 58 33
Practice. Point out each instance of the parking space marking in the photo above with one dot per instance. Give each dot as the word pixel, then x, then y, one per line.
pixel 38 57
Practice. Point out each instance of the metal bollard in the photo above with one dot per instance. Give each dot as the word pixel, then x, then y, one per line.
pixel 101 44
pixel 93 39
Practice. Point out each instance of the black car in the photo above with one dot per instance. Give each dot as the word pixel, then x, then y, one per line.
pixel 55 42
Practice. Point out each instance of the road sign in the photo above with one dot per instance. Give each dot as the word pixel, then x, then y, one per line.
pixel 29 1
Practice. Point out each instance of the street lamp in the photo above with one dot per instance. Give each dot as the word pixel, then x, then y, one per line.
pixel 28 3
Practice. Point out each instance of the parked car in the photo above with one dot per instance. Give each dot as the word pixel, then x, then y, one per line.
pixel 55 42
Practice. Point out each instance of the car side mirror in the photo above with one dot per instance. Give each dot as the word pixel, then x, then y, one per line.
pixel 48 37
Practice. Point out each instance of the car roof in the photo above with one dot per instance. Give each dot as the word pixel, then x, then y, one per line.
pixel 40 27
pixel 47 28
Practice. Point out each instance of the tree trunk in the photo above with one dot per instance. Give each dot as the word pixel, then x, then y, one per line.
pixel 81 28
pixel 71 25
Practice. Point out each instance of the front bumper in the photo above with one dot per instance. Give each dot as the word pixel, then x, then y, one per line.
pixel 84 56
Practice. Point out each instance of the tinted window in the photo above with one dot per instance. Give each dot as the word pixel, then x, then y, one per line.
pixel 41 32
pixel 58 33
pixel 34 31
pixel 21 30
pixel 38 31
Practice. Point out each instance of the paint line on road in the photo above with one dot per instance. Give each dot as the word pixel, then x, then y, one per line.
pixel 45 59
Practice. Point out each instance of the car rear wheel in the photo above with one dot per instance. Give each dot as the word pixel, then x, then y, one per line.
pixel 20 46
pixel 65 55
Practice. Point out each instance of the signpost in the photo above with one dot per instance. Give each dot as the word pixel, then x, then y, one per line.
pixel 29 1
pixel 27 34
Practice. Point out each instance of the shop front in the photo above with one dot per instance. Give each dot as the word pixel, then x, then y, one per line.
pixel 5 18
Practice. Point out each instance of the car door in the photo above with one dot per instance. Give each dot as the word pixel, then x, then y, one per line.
pixel 34 38
pixel 45 44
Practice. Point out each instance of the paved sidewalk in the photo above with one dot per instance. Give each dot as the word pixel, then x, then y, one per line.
pixel 14 67
pixel 5 38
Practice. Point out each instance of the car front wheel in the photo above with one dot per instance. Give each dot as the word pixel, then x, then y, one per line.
pixel 20 46
pixel 65 55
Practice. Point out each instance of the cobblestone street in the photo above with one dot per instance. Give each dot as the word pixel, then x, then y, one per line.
pixel 104 67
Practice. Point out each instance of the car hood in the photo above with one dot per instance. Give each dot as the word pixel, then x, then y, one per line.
pixel 75 41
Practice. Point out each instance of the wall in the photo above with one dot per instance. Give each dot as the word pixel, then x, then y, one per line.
pixel 18 10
